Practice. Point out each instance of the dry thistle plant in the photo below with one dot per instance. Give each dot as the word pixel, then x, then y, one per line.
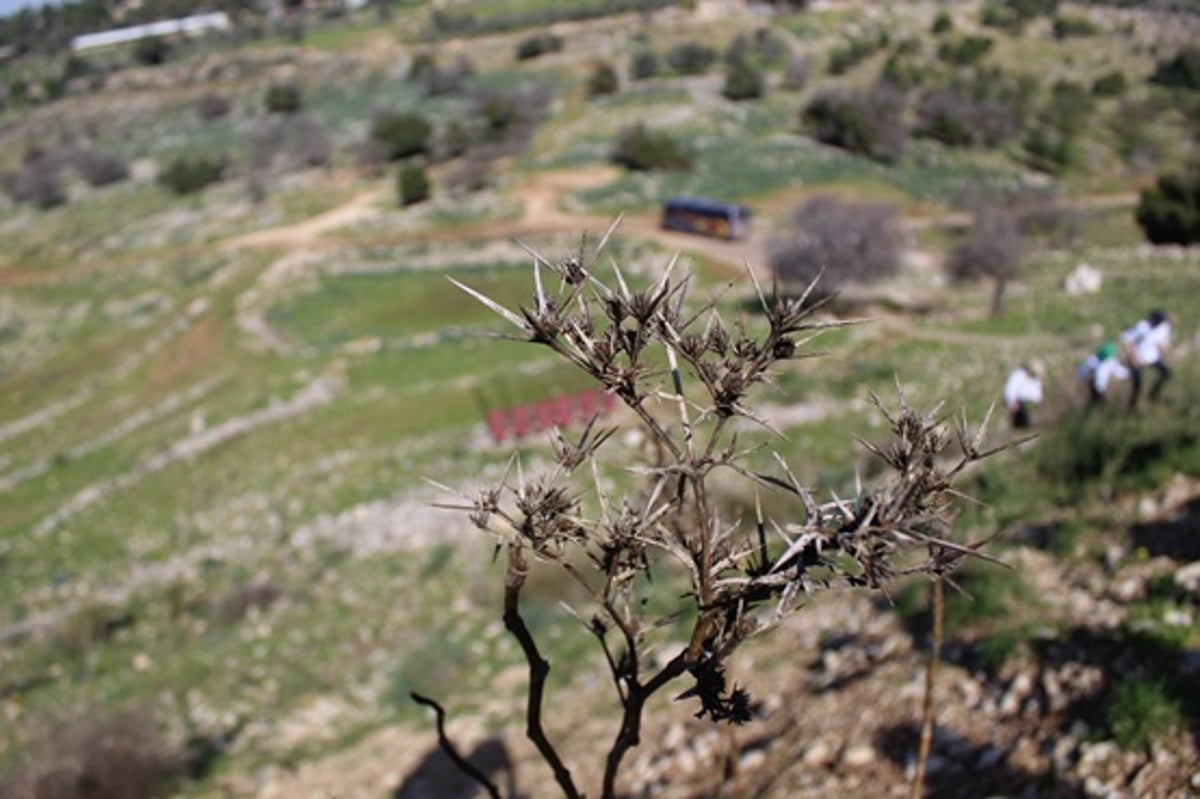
pixel 686 374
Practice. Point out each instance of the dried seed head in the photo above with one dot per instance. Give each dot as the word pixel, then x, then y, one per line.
pixel 783 348
pixel 746 348
pixel 485 504
pixel 616 309
pixel 642 306
pixel 573 271
pixel 718 340
pixel 691 345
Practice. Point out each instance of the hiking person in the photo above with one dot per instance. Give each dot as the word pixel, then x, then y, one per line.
pixel 1099 370
pixel 1022 390
pixel 1145 345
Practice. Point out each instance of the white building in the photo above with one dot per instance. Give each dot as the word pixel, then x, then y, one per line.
pixel 199 23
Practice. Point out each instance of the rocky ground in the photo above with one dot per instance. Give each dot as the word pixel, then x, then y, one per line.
pixel 839 690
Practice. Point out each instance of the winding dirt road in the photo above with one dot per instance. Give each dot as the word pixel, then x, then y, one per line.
pixel 541 196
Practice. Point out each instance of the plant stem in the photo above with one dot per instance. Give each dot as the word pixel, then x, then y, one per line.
pixel 539 669
pixel 631 720
pixel 935 651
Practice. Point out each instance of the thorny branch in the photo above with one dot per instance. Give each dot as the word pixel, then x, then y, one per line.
pixel 744 579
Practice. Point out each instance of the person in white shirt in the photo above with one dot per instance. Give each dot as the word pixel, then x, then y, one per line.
pixel 1146 344
pixel 1022 389
pixel 1100 370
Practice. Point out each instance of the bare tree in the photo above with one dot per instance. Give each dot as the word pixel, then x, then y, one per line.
pixel 38 182
pixel 100 168
pixel 309 143
pixel 991 250
pixel 833 241
pixel 743 577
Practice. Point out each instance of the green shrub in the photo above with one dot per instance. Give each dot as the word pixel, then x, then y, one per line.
pixel 1140 712
pixel 1050 150
pixel 1098 453
pixel 212 106
pixel 965 51
pixel 942 23
pixel 797 73
pixel 904 70
pixel 412 184
pixel 538 45
pixel 18 91
pixel 401 134
pixel 960 115
pixel 455 139
pixel 282 98
pixel 1134 135
pixel 1067 26
pixel 189 174
pixel 38 183
pixel 498 111
pixel 1182 71
pixel 640 148
pixel 436 80
pixel 422 64
pixel 1169 212
pixel 849 55
pixel 603 81
pixel 997 15
pixel 1110 84
pixel 100 169
pixel 762 49
pixel 1011 16
pixel 1069 108
pixel 743 82
pixel 152 52
pixel 644 64
pixel 691 58
pixel 864 122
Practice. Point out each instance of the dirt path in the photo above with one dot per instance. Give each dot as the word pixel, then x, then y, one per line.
pixel 962 219
pixel 541 196
pixel 301 233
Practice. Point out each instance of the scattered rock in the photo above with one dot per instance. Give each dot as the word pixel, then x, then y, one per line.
pixel 858 756
pixel 1128 589
pixel 1083 279
pixel 1018 689
pixel 1188 578
pixel 819 753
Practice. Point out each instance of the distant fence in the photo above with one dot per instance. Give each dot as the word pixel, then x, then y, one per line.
pixel 534 417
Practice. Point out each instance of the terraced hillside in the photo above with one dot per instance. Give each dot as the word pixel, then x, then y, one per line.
pixel 219 408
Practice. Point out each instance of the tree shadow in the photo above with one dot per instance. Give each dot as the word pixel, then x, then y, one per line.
pixel 1121 655
pixel 960 768
pixel 436 776
pixel 1177 538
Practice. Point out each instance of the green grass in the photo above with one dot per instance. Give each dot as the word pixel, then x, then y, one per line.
pixel 398 304
pixel 1140 712
pixel 730 168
